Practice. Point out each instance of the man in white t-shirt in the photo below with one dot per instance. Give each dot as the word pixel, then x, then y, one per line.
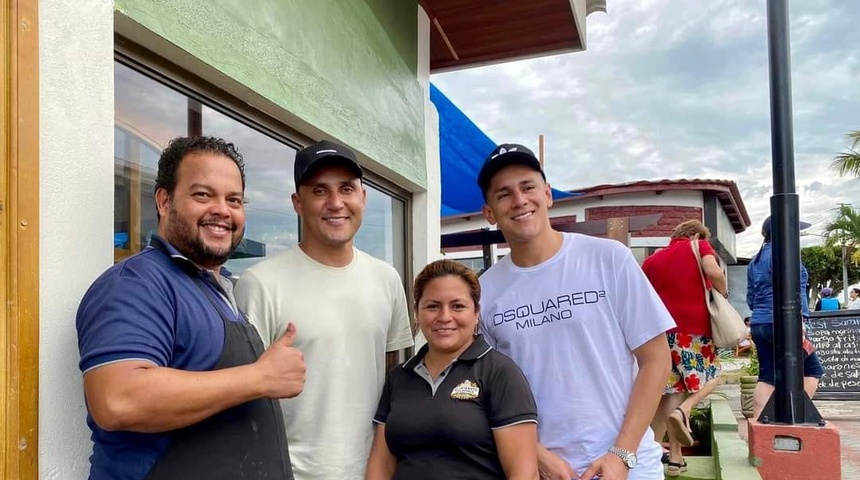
pixel 349 309
pixel 577 315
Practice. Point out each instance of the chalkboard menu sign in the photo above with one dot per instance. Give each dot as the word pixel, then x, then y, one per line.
pixel 836 336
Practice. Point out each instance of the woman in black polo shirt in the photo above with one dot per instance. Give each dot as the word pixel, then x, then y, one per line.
pixel 458 409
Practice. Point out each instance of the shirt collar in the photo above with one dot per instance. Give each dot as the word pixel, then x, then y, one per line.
pixel 476 350
pixel 161 244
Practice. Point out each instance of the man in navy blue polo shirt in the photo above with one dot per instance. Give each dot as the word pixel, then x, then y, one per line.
pixel 176 380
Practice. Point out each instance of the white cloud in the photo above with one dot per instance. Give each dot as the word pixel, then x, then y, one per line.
pixel 674 89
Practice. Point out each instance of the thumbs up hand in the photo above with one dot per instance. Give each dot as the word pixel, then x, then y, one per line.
pixel 282 367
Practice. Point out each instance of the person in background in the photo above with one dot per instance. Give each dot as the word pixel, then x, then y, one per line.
pixel 578 316
pixel 176 381
pixel 853 299
pixel 760 302
pixel 350 307
pixel 676 276
pixel 827 301
pixel 458 408
pixel 746 343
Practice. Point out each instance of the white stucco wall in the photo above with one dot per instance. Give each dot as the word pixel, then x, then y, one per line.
pixel 726 232
pixel 76 188
pixel 673 198
pixel 427 205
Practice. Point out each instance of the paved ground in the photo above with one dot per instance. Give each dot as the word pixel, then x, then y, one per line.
pixel 844 414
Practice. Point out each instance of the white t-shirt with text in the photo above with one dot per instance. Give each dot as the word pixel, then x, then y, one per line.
pixel 571 324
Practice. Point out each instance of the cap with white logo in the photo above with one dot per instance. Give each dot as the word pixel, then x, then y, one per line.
pixel 321 154
pixel 505 155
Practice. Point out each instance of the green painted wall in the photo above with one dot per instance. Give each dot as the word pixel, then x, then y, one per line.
pixel 346 67
pixel 395 19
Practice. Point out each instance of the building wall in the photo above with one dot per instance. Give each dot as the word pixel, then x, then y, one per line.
pixel 360 88
pixel 726 232
pixel 737 278
pixel 76 181
pixel 427 205
pixel 342 69
pixel 670 217
pixel 578 208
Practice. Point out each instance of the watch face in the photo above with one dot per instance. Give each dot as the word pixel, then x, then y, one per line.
pixel 631 460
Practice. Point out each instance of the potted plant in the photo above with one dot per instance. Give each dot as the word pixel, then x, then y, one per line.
pixel 748 382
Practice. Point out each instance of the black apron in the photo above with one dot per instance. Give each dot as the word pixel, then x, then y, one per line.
pixel 243 442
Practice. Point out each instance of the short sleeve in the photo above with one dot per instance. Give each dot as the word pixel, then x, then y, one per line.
pixel 399 330
pixel 509 397
pixel 384 406
pixel 125 317
pixel 253 300
pixel 705 248
pixel 640 312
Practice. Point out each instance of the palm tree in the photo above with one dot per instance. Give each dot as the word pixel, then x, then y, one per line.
pixel 848 163
pixel 845 228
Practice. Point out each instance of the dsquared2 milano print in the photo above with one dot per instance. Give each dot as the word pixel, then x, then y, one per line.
pixel 547 311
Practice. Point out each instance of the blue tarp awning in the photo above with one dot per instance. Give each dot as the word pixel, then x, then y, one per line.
pixel 462 148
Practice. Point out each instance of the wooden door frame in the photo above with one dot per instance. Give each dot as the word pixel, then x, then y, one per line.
pixel 19 239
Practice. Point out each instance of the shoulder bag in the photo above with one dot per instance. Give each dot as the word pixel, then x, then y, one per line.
pixel 727 326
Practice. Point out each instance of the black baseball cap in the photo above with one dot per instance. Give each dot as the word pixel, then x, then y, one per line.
pixel 503 156
pixel 323 154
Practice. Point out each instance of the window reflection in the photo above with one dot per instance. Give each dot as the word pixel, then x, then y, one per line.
pixel 270 221
pixel 148 114
pixel 382 230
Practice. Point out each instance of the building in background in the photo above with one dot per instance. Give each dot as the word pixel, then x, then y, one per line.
pixel 717 203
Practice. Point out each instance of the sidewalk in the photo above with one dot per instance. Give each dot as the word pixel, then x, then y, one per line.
pixel 845 415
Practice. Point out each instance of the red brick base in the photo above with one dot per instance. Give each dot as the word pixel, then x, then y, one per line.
pixel 818 457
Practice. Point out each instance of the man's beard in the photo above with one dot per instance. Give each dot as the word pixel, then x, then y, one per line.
pixel 189 243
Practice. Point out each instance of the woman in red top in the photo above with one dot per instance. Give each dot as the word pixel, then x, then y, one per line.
pixel 674 273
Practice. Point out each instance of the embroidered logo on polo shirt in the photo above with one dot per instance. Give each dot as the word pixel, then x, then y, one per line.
pixel 465 391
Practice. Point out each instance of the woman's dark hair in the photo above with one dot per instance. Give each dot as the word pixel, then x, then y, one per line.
pixel 856 290
pixel 447 268
pixel 180 147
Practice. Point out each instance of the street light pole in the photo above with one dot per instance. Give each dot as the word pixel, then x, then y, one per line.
pixel 789 405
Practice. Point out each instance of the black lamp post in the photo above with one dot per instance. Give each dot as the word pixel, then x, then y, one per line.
pixel 789 404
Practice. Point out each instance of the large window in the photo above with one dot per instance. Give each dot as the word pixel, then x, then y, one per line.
pixel 383 230
pixel 148 113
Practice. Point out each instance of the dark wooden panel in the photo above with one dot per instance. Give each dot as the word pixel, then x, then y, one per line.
pixel 485 30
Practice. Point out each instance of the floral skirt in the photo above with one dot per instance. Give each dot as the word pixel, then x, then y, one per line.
pixel 694 362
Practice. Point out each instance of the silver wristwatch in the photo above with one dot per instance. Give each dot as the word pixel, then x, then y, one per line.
pixel 626 456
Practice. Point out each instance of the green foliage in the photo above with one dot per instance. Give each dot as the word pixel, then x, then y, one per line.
pixel 844 229
pixel 751 368
pixel 848 163
pixel 725 353
pixel 824 264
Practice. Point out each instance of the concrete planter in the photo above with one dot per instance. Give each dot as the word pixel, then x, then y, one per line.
pixel 748 383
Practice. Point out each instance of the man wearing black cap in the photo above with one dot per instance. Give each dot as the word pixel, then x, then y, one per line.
pixel 577 315
pixel 349 307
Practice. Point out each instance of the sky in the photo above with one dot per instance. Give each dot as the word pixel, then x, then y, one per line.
pixel 671 89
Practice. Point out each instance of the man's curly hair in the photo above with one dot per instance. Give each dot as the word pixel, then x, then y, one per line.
pixel 179 147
